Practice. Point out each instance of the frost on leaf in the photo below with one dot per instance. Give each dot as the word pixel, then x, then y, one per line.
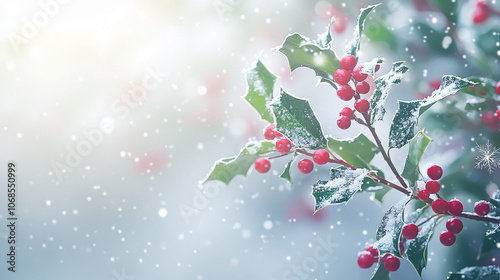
pixel 296 120
pixel 343 184
pixel 260 89
pixel 389 229
pixel 416 249
pixel 353 47
pixel 406 117
pixel 226 169
pixel 475 273
pixel 383 85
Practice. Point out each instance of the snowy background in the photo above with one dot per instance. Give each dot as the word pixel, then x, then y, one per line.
pixel 106 167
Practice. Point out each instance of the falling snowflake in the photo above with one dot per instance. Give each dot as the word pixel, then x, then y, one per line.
pixel 487 158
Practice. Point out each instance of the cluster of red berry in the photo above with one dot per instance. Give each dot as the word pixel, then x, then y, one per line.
pixel 284 146
pixel 351 71
pixel 369 256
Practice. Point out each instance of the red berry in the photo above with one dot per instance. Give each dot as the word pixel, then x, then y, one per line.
pixel 362 87
pixel 362 105
pixel 497 87
pixel 373 251
pixel 447 238
pixel 365 260
pixel 344 122
pixel 497 115
pixel 454 225
pixel 435 172
pixel 345 92
pixel 391 263
pixel 480 14
pixel 342 76
pixel 305 166
pixel 346 111
pixel 423 195
pixel 488 117
pixel 269 132
pixel 455 207
pixel 481 4
pixel 482 208
pixel 440 206
pixel 348 62
pixel 357 75
pixel 283 145
pixel 432 186
pixel 410 231
pixel 321 156
pixel 262 165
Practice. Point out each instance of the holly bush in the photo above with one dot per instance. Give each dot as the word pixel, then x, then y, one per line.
pixel 294 131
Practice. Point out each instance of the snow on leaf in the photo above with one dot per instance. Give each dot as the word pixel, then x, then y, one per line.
pixel 301 52
pixel 226 169
pixel 343 184
pixel 369 67
pixel 406 117
pixel 475 273
pixel 383 85
pixel 380 273
pixel 416 149
pixel 325 38
pixel 389 229
pixel 296 120
pixel 260 89
pixel 353 47
pixel 416 249
pixel 358 151
pixel 485 87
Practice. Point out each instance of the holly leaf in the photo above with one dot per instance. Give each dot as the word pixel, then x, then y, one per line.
pixel 492 236
pixel 343 184
pixel 286 172
pixel 353 47
pixel 416 249
pixel 325 38
pixel 484 87
pixel 226 169
pixel 260 89
pixel 406 117
pixel 389 229
pixel 358 151
pixel 301 52
pixel 296 120
pixel 415 151
pixel 369 67
pixel 475 273
pixel 383 85
pixel 380 273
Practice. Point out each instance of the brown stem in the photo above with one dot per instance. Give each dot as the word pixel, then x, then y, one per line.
pixel 480 218
pixel 382 151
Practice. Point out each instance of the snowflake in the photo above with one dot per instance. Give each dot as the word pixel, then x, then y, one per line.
pixel 487 158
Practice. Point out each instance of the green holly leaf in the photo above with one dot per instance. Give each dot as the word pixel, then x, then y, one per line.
pixel 492 236
pixel 380 273
pixel 286 172
pixel 369 67
pixel 416 149
pixel 484 87
pixel 358 151
pixel 343 184
pixel 475 273
pixel 325 38
pixel 383 85
pixel 301 52
pixel 495 199
pixel 389 229
pixel 226 169
pixel 260 89
pixel 406 117
pixel 296 120
pixel 353 47
pixel 416 249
